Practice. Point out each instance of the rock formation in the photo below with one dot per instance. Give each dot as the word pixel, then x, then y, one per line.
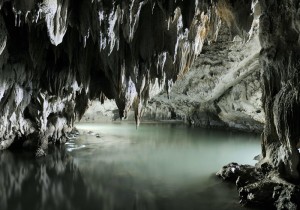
pixel 56 55
pixel 222 88
pixel 280 59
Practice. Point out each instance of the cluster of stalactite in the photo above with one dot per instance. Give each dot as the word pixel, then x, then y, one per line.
pixel 56 55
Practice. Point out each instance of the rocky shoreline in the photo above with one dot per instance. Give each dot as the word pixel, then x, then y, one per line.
pixel 261 186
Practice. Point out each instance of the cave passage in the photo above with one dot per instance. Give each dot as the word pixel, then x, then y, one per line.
pixel 159 166
pixel 56 56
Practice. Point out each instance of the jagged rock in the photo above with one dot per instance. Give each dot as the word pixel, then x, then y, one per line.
pixel 261 187
pixel 235 173
pixel 288 197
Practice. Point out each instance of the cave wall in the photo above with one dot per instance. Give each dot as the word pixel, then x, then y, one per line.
pixel 222 88
pixel 273 183
pixel 279 36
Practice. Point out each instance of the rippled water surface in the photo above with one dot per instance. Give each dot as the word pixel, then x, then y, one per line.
pixel 115 166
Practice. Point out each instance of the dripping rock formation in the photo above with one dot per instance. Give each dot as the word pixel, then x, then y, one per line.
pixel 222 88
pixel 57 55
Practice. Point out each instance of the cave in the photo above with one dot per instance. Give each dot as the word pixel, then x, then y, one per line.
pixel 103 104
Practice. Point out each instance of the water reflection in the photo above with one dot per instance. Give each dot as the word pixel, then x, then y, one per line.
pixel 157 167
pixel 53 182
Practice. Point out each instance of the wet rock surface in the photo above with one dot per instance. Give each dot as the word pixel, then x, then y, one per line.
pixel 261 187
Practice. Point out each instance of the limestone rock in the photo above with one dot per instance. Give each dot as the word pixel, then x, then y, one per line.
pixel 222 89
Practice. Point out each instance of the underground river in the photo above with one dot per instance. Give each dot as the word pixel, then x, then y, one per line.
pixel 116 167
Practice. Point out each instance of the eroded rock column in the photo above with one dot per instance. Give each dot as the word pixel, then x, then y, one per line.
pixel 279 35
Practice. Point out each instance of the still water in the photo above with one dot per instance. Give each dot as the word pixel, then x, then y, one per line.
pixel 116 167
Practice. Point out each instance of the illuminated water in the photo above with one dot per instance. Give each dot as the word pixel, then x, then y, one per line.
pixel 157 167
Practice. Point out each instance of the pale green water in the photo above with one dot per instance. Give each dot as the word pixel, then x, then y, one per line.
pixel 157 167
